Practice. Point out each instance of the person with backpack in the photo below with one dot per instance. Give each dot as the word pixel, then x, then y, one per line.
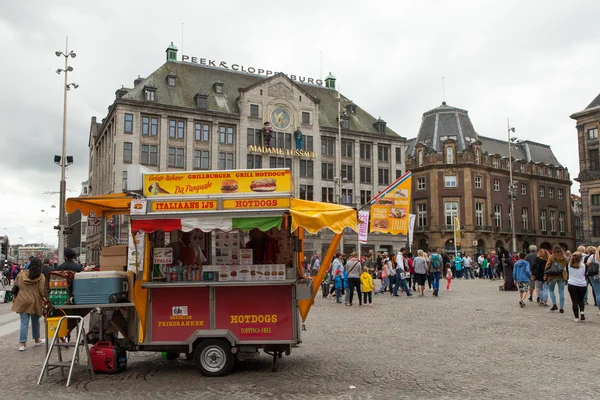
pixel 400 270
pixel 593 274
pixel 435 270
pixel 556 275
pixel 354 269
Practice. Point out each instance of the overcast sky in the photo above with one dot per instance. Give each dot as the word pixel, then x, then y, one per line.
pixel 533 61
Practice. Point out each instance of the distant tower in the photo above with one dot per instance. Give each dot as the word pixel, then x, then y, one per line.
pixel 171 52
pixel 330 81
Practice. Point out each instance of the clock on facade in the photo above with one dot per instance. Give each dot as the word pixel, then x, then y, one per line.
pixel 280 118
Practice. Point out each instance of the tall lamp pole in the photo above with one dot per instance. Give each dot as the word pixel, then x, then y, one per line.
pixel 339 160
pixel 63 159
pixel 512 189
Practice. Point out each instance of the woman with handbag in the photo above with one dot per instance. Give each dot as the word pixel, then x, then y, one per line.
pixel 29 301
pixel 539 266
pixel 593 274
pixel 556 274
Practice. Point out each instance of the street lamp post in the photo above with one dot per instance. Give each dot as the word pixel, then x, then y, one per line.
pixel 63 158
pixel 512 189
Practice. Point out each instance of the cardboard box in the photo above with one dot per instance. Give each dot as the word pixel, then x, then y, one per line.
pixel 114 251
pixel 113 263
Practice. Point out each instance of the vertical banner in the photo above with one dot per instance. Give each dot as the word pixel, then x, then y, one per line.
pixel 135 251
pixel 390 209
pixel 363 226
pixel 411 229
pixel 456 231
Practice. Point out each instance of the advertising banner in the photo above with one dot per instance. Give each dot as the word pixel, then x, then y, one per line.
pixel 268 316
pixel 363 226
pixel 391 208
pixel 178 312
pixel 218 182
pixel 163 255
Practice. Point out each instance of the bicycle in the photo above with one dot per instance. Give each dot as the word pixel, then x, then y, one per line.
pixel 4 282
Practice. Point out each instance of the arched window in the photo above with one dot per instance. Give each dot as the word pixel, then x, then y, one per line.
pixel 420 158
pixel 449 155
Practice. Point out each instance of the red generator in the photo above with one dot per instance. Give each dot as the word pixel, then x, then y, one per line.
pixel 107 358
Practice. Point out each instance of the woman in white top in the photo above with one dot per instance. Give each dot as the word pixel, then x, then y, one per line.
pixel 577 285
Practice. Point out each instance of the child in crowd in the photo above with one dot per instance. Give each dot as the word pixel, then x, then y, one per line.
pixel 448 279
pixel 338 282
pixel 366 281
pixel 522 276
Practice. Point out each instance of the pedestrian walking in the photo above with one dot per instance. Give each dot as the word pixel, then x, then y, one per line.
pixel 592 272
pixel 522 278
pixel 577 285
pixel 484 263
pixel 354 270
pixel 468 266
pixel 556 275
pixel 448 279
pixel 538 269
pixel 420 265
pixel 366 281
pixel 385 279
pixel 530 258
pixel 400 276
pixel 435 270
pixel 29 302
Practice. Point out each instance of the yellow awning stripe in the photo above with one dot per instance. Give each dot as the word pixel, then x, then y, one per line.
pixel 314 216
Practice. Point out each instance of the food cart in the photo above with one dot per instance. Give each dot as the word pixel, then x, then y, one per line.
pixel 215 264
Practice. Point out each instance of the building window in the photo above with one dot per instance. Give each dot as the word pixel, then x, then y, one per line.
pixel 449 155
pixel 495 162
pixel 478 182
pixel 496 185
pixel 450 181
pixel 550 193
pixel 305 118
pixel 327 195
pixel 420 158
pixel 176 129
pixel 479 213
pixel 149 95
pixel 558 173
pixel 201 159
pixel 127 152
pixel 561 221
pixel 171 81
pixel 451 210
pixel 421 184
pixel 543 220
pixel 254 137
pixel 383 153
pixel 525 218
pixel 347 172
pixel 306 192
pixel 523 189
pixel 549 172
pixel 308 142
pixel 365 151
pixel 226 161
pixel 593 133
pixel 540 171
pixel 128 123
pixel 561 194
pixel 124 181
pixel 347 148
pixel 398 173
pixel 594 159
pixel 226 134
pixel 384 176
pixel 347 196
pixel 149 155
pixel 552 220
pixel 365 196
pixel 422 215
pixel 176 157
pixel 201 132
pixel 477 156
pixel 306 169
pixel 596 226
pixel 327 146
pixel 345 122
pixel 254 110
pixel 254 161
pixel 150 126
pixel 327 171
pixel 497 215
pixel 280 162
pixel 366 175
pixel 596 199
pixel 522 168
pixel 398 155
pixel 284 140
pixel 542 190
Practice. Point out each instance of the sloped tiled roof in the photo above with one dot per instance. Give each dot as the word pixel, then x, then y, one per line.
pixel 196 78
pixel 594 103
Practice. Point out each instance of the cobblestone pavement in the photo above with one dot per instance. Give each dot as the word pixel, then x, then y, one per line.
pixel 472 343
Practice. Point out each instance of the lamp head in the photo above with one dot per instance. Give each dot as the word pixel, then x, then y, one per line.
pixel 512 129
pixel 69 68
pixel 58 53
pixel 58 71
pixel 72 54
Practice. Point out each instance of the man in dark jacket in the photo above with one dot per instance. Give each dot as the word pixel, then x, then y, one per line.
pixel 69 264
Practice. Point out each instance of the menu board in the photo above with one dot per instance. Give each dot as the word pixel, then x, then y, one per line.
pixel 251 273
pixel 227 247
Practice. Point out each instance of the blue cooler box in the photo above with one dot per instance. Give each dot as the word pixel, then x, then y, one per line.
pixel 96 287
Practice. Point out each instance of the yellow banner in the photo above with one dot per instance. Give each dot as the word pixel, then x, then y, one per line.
pixel 218 182
pixel 204 205
pixel 255 203
pixel 390 213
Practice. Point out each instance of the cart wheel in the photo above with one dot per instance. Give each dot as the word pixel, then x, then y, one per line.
pixel 172 356
pixel 213 357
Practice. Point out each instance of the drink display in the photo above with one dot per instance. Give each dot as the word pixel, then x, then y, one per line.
pixel 59 290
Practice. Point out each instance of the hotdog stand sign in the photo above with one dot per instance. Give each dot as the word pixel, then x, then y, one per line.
pixel 226 277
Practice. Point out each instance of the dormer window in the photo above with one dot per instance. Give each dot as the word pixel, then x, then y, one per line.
pixel 420 158
pixel 351 108
pixel 477 156
pixel 522 168
pixel 218 86
pixel 345 122
pixel 201 100
pixel 380 125
pixel 149 93
pixel 495 162
pixel 171 80
pixel 449 155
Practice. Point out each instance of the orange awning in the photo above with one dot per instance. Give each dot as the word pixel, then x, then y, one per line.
pixel 117 203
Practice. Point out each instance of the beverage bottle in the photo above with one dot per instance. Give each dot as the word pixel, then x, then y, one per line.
pixel 63 297
pixel 52 297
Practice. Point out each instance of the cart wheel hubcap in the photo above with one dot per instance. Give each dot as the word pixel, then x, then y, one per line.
pixel 213 359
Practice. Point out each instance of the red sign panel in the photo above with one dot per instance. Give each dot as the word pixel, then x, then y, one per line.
pixel 178 312
pixel 256 313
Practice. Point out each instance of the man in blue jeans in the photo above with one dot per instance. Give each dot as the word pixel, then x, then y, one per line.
pixel 435 268
pixel 400 269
